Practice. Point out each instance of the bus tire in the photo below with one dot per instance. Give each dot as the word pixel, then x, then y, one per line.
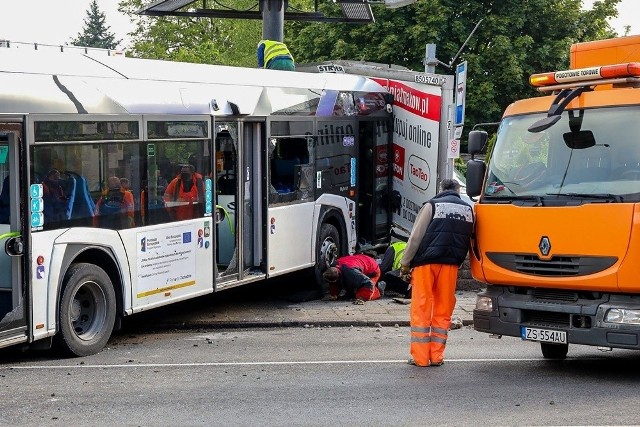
pixel 327 251
pixel 554 351
pixel 87 310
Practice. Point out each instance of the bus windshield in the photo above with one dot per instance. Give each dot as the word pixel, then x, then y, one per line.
pixel 591 154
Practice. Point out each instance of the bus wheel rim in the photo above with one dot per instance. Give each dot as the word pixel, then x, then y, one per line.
pixel 88 310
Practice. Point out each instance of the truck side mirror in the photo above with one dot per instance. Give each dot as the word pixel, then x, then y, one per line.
pixel 477 141
pixel 476 170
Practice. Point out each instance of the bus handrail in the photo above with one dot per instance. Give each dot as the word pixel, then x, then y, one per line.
pixel 8 235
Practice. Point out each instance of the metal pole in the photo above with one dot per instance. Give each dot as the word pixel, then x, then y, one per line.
pixel 430 60
pixel 273 19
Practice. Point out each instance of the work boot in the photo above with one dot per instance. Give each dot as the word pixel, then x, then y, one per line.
pixel 381 286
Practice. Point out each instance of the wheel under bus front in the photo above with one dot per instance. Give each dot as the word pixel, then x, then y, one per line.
pixel 328 248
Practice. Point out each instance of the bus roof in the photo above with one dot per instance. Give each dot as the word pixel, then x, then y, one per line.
pixel 51 82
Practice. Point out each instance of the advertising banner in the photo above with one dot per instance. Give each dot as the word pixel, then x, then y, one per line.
pixel 416 131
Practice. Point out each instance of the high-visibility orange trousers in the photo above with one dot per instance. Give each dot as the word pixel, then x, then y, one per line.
pixel 433 299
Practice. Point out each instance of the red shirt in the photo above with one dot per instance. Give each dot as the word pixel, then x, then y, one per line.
pixel 366 264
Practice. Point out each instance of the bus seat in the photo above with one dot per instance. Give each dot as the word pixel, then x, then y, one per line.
pixel 70 191
pixel 82 205
pixel 285 168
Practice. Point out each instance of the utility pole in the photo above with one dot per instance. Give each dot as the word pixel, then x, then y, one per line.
pixel 273 19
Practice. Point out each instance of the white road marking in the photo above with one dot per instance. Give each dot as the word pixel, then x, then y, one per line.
pixel 269 363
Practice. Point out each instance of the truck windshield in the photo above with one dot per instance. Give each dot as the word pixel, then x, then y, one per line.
pixel 543 166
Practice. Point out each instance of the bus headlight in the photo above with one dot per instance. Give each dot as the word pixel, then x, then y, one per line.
pixel 623 315
pixel 484 304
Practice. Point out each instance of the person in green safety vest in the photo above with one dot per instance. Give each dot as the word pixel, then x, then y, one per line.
pixel 390 267
pixel 275 56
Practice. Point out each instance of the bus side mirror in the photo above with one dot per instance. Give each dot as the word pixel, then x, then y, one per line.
pixel 476 170
pixel 477 141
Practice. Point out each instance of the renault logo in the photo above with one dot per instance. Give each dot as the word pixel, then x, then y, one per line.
pixel 545 245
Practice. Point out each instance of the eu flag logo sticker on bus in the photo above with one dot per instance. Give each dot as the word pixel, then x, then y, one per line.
pixel 35 191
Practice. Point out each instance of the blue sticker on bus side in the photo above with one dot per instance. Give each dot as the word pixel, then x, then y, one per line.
pixel 4 150
pixel 353 171
pixel 35 191
pixel 37 220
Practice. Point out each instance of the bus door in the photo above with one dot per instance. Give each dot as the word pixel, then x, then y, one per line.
pixel 226 185
pixel 253 179
pixel 13 327
pixel 374 177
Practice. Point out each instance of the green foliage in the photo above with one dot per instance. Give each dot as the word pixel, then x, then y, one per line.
pixel 200 40
pixel 95 32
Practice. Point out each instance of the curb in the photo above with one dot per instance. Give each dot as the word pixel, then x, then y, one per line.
pixel 195 325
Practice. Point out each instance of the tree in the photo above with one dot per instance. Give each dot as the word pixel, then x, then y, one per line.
pixel 514 40
pixel 201 40
pixel 95 32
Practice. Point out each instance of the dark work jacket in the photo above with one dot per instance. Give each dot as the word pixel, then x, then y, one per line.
pixel 448 235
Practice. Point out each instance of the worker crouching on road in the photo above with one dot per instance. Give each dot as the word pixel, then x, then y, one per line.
pixel 436 248
pixel 357 275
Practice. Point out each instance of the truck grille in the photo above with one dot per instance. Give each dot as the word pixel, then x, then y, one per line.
pixel 557 266
pixel 546 318
pixel 555 295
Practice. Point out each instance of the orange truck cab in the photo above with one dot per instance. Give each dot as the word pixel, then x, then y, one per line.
pixel 558 216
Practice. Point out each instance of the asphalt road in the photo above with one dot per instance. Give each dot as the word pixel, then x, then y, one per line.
pixel 316 377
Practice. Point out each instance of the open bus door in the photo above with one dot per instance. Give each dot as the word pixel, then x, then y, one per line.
pixel 374 182
pixel 13 327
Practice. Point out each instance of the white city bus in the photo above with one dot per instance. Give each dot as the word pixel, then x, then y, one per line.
pixel 285 165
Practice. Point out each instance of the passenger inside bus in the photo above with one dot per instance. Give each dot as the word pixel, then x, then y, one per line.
pixel 115 209
pixel 184 196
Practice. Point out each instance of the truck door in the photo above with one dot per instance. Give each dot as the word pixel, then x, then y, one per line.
pixel 13 327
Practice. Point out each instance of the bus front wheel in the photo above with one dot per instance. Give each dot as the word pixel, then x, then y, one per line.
pixel 554 351
pixel 328 250
pixel 87 311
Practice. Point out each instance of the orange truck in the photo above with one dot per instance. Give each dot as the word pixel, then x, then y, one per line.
pixel 558 215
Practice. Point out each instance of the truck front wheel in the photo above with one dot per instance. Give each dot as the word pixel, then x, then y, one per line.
pixel 87 310
pixel 554 351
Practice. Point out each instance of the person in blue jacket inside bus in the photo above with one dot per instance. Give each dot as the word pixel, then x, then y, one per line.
pixel 275 55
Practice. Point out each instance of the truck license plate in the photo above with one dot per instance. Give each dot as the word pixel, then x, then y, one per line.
pixel 543 335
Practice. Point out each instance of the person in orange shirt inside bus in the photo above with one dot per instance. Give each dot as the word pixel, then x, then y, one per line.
pixel 115 209
pixel 184 196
